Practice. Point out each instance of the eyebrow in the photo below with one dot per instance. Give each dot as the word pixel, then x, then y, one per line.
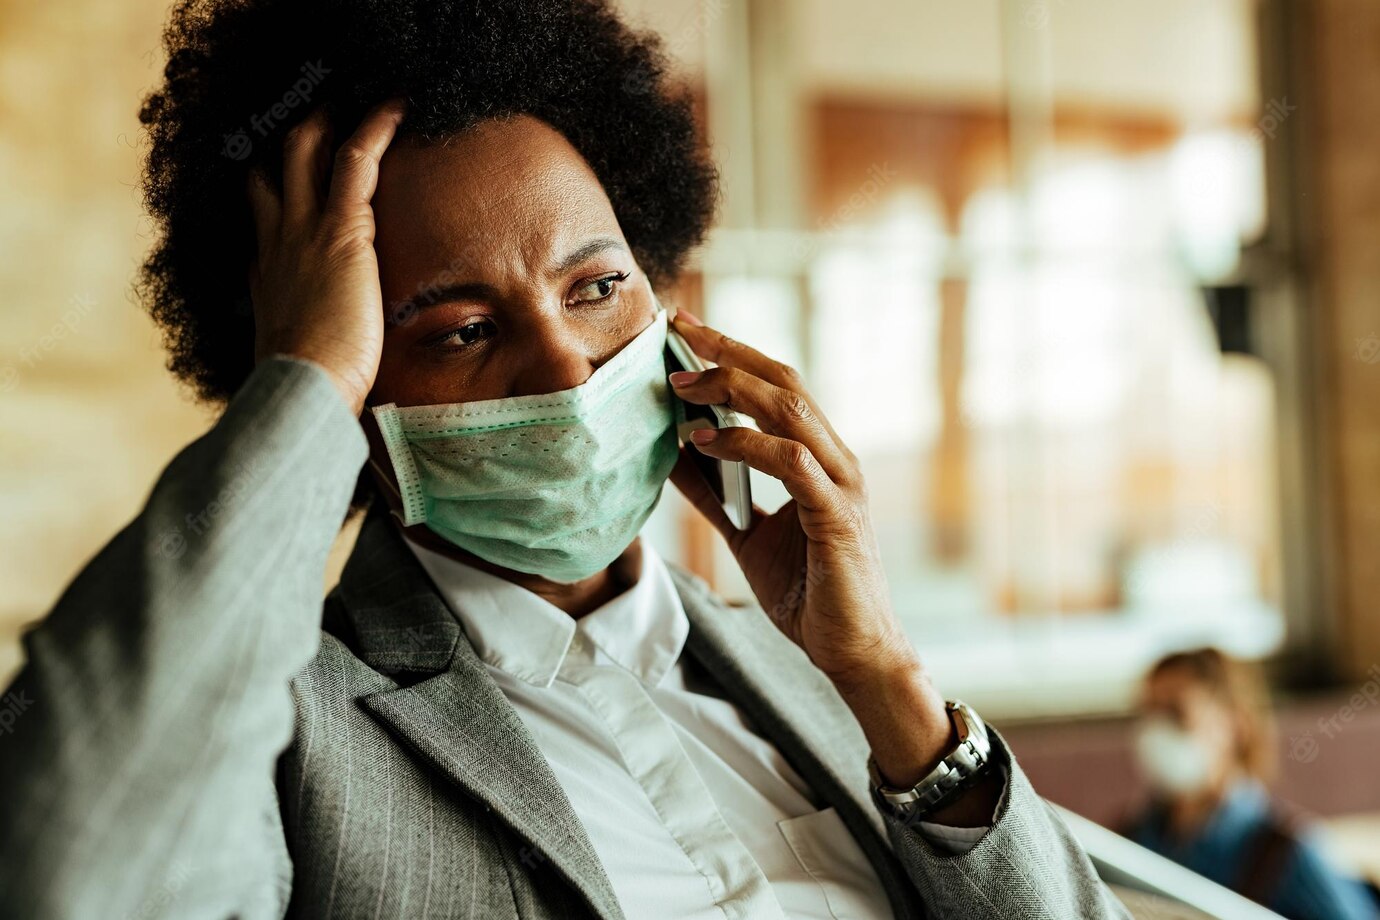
pixel 584 253
pixel 431 295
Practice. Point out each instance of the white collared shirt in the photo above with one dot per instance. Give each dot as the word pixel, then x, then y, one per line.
pixel 691 812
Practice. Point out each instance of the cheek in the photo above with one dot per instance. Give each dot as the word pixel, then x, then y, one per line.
pixel 408 380
pixel 393 379
pixel 638 309
pixel 1216 731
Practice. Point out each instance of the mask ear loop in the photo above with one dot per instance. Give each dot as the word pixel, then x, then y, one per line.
pixel 388 483
pixel 677 405
pixel 409 482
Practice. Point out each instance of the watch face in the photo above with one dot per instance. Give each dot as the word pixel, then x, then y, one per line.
pixel 971 727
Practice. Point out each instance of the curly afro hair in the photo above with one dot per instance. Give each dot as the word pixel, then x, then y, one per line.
pixel 240 73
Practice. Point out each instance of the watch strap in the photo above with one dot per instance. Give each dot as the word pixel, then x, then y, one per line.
pixel 961 767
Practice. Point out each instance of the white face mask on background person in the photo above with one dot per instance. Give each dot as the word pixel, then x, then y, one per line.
pixel 553 484
pixel 1174 760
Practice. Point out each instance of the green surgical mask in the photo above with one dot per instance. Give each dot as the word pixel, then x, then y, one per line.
pixel 555 484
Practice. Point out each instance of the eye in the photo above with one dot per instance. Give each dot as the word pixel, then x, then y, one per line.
pixel 467 334
pixel 601 288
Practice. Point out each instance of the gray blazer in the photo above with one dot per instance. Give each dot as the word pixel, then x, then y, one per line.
pixel 197 739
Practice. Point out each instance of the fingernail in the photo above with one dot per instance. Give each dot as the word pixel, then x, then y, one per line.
pixel 685 316
pixel 683 378
pixel 704 435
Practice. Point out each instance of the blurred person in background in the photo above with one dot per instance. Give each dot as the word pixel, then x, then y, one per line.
pixel 1206 743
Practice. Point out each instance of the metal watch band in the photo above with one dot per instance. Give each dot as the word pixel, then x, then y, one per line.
pixel 967 761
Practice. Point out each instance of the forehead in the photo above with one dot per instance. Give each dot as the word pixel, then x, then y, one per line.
pixel 514 186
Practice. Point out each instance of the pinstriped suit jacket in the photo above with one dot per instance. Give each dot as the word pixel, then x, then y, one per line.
pixel 202 741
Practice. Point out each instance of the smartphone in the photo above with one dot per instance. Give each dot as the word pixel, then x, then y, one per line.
pixel 728 479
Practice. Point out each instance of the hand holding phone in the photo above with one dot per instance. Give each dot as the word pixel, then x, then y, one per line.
pixel 729 480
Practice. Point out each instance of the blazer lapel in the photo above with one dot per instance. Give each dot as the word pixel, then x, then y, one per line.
pixel 795 706
pixel 449 711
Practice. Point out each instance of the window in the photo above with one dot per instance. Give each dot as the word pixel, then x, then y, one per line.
pixel 997 269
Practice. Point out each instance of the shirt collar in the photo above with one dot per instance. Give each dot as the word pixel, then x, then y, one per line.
pixel 642 630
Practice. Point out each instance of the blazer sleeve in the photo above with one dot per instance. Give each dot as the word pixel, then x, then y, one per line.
pixel 1027 866
pixel 138 777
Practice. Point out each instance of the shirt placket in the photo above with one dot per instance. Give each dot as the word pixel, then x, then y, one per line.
pixel 654 757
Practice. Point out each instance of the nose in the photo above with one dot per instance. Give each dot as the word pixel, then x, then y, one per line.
pixel 553 356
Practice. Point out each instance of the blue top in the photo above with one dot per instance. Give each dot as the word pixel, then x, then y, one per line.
pixel 1309 888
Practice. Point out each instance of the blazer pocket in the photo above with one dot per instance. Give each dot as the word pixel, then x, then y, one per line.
pixel 829 854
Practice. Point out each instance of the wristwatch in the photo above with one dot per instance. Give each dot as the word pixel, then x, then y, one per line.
pixel 956 772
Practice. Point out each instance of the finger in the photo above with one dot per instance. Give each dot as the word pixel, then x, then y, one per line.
pixel 357 162
pixel 302 151
pixel 266 208
pixel 789 461
pixel 712 344
pixel 778 411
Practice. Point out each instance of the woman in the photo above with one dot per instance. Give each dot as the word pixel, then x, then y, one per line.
pixel 418 241
pixel 1206 744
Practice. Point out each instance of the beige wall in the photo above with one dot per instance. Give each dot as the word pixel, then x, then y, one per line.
pixel 88 416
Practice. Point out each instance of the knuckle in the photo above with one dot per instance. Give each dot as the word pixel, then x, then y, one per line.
pixel 795 407
pixel 351 156
pixel 715 376
pixel 798 459
pixel 347 240
pixel 790 377
pixel 297 136
pixel 726 382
